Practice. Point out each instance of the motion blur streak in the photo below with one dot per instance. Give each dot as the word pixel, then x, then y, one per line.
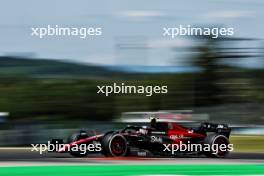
pixel 118 170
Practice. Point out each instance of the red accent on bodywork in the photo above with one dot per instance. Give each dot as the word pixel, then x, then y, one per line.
pixel 181 133
pixel 81 141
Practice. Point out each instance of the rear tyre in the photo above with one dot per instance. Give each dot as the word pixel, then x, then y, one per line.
pixel 215 141
pixel 75 137
pixel 114 145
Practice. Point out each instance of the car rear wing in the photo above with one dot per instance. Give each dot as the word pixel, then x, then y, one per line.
pixel 223 129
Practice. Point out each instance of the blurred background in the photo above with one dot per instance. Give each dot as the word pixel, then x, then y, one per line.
pixel 48 86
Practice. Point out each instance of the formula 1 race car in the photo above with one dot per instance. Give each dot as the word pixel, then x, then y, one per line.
pixel 160 138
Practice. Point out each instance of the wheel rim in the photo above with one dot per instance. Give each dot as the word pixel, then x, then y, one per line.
pixel 118 146
pixel 219 141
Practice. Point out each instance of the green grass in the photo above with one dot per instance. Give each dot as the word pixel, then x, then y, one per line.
pixel 133 170
pixel 247 143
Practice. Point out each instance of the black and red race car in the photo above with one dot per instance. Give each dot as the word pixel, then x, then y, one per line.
pixel 157 139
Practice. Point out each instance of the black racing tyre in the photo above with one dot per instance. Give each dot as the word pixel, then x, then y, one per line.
pixel 114 145
pixel 216 140
pixel 75 137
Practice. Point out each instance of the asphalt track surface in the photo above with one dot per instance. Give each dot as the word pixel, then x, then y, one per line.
pixel 25 157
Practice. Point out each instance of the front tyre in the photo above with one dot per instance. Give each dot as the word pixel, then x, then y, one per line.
pixel 114 145
pixel 76 151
